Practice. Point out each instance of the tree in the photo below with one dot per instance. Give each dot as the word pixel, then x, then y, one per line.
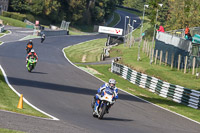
pixel 18 6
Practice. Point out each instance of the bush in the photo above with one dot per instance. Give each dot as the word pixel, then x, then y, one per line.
pixel 30 17
pixel 14 15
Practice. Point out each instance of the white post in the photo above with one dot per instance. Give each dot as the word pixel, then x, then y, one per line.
pixel 141 33
pixel 155 29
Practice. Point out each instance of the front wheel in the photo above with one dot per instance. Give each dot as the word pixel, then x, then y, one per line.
pixel 30 68
pixel 102 111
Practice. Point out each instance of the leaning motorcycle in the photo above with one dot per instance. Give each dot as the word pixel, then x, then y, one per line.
pixel 31 63
pixel 28 48
pixel 106 100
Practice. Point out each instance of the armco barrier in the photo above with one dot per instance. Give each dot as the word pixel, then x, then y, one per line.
pixel 54 32
pixel 177 93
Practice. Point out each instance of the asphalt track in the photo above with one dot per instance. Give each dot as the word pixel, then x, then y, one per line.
pixel 64 91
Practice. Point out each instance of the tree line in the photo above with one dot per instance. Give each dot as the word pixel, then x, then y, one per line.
pixel 75 11
pixel 174 14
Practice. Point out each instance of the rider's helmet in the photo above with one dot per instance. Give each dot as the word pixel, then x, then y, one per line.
pixel 32 50
pixel 112 83
pixel 30 40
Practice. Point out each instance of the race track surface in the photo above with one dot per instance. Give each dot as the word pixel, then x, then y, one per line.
pixel 64 91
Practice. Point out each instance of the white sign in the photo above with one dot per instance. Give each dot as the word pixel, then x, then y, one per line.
pixel 109 30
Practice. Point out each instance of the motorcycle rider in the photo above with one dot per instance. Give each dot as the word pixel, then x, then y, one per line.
pixel 110 85
pixel 31 54
pixel 42 38
pixel 29 46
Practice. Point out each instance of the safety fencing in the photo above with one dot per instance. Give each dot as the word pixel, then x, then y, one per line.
pixel 177 93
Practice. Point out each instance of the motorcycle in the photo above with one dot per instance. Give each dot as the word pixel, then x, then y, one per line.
pixel 42 38
pixel 31 63
pixel 106 100
pixel 28 48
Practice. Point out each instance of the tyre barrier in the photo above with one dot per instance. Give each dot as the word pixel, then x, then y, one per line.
pixel 177 93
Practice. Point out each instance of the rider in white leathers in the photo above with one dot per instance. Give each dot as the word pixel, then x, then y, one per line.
pixel 110 85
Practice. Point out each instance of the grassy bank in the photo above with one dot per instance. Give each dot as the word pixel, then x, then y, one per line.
pixel 9 101
pixel 12 22
pixel 86 52
pixel 2 130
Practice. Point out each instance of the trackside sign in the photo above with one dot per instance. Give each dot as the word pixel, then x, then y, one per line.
pixel 109 30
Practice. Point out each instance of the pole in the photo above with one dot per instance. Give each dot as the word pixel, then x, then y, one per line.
pixel 141 35
pixel 154 33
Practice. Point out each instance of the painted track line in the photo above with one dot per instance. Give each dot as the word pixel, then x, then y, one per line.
pixel 124 90
pixel 24 99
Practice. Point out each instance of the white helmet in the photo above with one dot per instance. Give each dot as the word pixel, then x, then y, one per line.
pixel 112 81
pixel 32 50
pixel 30 41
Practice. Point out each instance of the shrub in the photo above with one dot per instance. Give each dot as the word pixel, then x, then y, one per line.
pixel 14 15
pixel 30 17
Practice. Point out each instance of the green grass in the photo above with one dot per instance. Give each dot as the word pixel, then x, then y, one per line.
pixel 2 130
pixel 115 20
pixel 12 22
pixel 74 31
pixel 9 101
pixel 6 32
pixel 91 50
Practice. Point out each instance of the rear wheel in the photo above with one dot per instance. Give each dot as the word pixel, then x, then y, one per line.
pixel 102 111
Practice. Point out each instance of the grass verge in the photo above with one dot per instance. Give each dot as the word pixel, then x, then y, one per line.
pixel 2 130
pixel 86 52
pixel 9 101
pixel 12 22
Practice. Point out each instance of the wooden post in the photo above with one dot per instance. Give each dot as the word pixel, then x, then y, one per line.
pixel 172 61
pixel 147 50
pixel 186 58
pixel 161 53
pixel 179 61
pixel 152 54
pixel 166 57
pixel 193 65
pixel 144 45
pixel 156 56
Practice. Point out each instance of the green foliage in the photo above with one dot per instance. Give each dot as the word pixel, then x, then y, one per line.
pixel 75 11
pixel 14 15
pixel 30 17
pixel 136 4
pixel 18 5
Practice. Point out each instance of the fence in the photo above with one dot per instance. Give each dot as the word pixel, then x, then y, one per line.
pixel 177 93
pixel 183 62
pixel 181 32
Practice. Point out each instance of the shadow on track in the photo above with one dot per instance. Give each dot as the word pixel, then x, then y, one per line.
pixel 116 119
pixel 75 90
pixel 39 72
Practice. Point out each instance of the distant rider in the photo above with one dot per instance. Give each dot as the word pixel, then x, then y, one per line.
pixel 42 38
pixel 110 85
pixel 29 46
pixel 32 54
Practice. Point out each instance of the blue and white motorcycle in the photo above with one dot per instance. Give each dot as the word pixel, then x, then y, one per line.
pixel 105 101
